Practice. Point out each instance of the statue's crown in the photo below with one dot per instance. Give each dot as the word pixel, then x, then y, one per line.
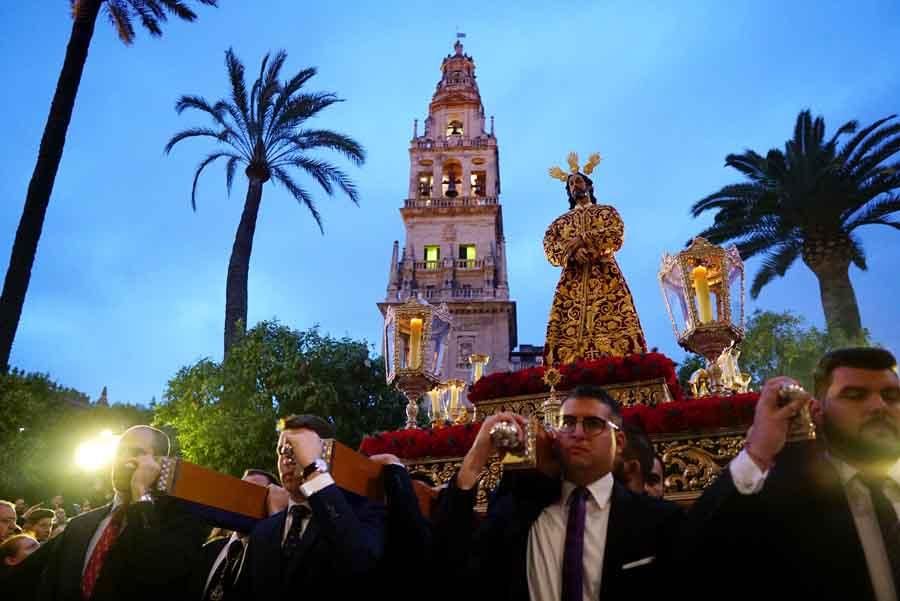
pixel 572 159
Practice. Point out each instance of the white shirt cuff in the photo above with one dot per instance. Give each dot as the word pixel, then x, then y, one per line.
pixel 748 478
pixel 316 484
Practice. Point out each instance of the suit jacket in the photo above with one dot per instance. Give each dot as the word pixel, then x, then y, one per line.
pixel 152 558
pixel 207 557
pixel 639 527
pixel 408 540
pixel 796 538
pixel 340 548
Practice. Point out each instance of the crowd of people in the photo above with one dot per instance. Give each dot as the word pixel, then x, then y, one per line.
pixel 815 520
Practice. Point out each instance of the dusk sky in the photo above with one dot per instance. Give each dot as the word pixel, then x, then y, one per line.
pixel 129 283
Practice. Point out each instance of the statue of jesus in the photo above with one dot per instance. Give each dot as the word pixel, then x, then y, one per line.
pixel 593 313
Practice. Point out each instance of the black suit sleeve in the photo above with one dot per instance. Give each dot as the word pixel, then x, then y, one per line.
pixel 356 536
pixel 408 532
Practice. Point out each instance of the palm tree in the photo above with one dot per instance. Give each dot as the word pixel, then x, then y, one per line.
pixel 152 13
pixel 808 201
pixel 266 133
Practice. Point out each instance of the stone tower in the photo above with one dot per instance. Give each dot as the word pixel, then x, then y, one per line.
pixel 454 250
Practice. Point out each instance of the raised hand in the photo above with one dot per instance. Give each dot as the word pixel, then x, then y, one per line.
pixel 772 421
pixel 483 448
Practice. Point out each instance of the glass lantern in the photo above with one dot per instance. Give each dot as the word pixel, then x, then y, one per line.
pixel 415 343
pixel 703 290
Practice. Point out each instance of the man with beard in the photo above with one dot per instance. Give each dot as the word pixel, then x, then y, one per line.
pixel 816 520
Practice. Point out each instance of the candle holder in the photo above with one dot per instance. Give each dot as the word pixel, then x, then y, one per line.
pixel 438 411
pixel 456 412
pixel 415 344
pixel 703 288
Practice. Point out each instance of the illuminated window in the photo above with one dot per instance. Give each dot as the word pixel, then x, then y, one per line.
pixel 468 254
pixel 432 256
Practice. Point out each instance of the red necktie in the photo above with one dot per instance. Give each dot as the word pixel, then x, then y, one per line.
pixel 95 563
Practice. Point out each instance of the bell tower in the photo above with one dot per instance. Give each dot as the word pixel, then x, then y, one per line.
pixel 454 250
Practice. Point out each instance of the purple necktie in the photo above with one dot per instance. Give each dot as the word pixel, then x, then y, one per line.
pixel 573 556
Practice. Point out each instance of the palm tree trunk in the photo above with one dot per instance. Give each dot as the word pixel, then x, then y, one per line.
pixel 40 187
pixel 239 266
pixel 839 301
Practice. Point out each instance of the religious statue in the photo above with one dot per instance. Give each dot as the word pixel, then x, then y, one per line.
pixel 593 313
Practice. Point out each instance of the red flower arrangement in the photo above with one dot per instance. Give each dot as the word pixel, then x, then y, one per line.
pixel 692 415
pixel 599 372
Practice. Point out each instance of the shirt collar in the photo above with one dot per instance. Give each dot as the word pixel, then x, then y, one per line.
pixel 292 502
pixel 847 472
pixel 600 490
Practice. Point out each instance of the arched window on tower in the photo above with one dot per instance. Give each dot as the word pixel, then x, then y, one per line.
pixel 426 180
pixel 454 128
pixel 451 182
pixel 477 183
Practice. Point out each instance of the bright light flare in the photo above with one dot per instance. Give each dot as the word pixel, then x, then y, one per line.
pixel 96 453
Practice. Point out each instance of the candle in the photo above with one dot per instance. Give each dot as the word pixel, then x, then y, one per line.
pixel 435 404
pixel 455 387
pixel 415 343
pixel 701 286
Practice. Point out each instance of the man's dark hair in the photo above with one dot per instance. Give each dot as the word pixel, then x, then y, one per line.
pixel 310 422
pixel 39 513
pixel 267 475
pixel 590 183
pixel 10 546
pixel 161 444
pixel 638 447
pixel 857 357
pixel 590 391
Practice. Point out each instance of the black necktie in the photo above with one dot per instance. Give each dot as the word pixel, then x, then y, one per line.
pixel 887 522
pixel 298 514
pixel 225 576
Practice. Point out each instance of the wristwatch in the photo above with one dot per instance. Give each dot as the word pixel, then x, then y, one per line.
pixel 145 497
pixel 313 469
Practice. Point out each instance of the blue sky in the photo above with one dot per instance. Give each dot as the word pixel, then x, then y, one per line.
pixel 129 283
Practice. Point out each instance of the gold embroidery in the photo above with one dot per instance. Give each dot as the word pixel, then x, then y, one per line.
pixel 593 313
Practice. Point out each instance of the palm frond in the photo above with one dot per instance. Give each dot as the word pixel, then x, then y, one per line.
pixel 203 165
pixel 150 18
pixel 848 149
pixel 304 106
pixel 874 212
pixel 194 132
pixel 238 88
pixel 857 253
pixel 325 174
pixel 744 195
pixel 776 264
pixel 299 193
pixel 230 167
pixel 118 15
pixel 323 138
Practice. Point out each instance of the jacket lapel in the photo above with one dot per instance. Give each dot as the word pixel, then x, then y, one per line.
pixel 616 535
pixel 310 535
pixel 78 536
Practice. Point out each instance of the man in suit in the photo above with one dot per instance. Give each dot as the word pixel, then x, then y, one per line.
pixel 328 541
pixel 819 519
pixel 223 557
pixel 138 547
pixel 634 464
pixel 575 536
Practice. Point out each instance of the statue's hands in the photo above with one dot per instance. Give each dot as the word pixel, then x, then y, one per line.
pixel 582 255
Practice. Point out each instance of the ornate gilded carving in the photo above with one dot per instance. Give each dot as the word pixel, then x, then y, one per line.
pixel 645 392
pixel 593 313
pixel 691 464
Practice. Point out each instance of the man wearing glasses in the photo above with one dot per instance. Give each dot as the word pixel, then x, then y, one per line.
pixel 576 535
